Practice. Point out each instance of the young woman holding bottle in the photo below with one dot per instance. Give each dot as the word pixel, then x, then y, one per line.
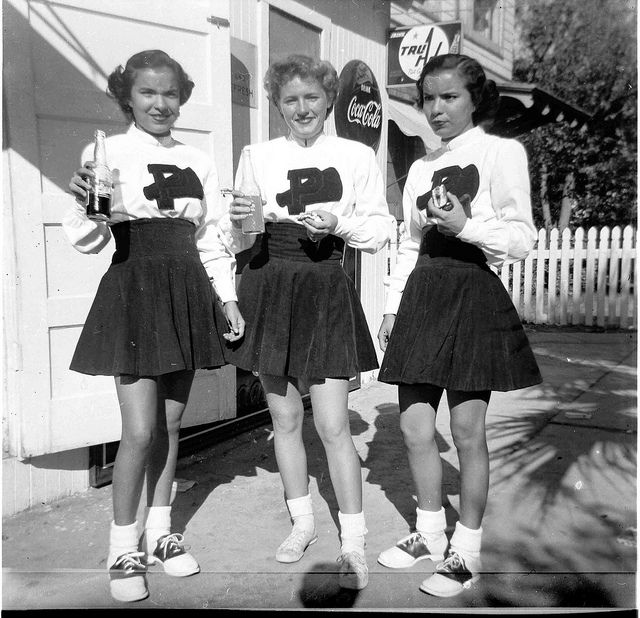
pixel 449 323
pixel 305 326
pixel 155 318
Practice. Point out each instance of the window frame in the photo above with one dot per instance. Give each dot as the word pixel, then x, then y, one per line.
pixel 466 16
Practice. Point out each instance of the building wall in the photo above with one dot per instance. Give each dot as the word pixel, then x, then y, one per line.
pixel 30 481
pixel 39 480
pixel 368 45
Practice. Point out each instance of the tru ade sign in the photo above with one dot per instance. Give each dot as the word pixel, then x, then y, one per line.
pixel 409 49
pixel 358 108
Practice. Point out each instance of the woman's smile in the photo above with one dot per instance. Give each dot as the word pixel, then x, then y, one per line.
pixel 155 100
pixel 303 104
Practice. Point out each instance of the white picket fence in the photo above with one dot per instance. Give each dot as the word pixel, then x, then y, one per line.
pixel 572 278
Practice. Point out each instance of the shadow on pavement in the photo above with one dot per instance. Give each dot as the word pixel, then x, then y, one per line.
pixel 389 467
pixel 559 590
pixel 320 588
pixel 255 455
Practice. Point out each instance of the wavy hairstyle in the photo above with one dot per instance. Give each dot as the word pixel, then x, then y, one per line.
pixel 484 92
pixel 121 80
pixel 297 65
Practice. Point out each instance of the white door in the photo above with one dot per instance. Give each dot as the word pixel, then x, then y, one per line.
pixel 57 58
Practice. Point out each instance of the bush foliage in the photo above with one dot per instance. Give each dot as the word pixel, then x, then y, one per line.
pixel 583 51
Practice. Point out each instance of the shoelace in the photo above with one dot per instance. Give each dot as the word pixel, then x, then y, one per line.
pixel 295 539
pixel 129 562
pixel 452 563
pixel 352 557
pixel 412 538
pixel 171 543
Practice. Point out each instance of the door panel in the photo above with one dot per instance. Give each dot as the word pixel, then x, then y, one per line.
pixel 57 59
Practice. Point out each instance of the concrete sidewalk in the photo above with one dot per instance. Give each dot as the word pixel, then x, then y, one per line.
pixel 560 524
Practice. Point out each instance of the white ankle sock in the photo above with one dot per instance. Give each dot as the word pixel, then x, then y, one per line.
pixel 122 540
pixel 430 522
pixel 466 542
pixel 301 511
pixel 352 532
pixel 157 524
pixel 431 525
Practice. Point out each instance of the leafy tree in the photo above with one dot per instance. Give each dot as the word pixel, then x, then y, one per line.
pixel 583 51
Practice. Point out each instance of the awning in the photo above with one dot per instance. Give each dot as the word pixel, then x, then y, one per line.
pixel 412 123
pixel 523 107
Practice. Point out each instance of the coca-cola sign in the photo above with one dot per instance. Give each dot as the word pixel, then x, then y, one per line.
pixel 358 108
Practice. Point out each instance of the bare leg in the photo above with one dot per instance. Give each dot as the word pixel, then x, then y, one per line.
pixel 173 392
pixel 329 399
pixel 287 412
pixel 418 407
pixel 286 409
pixel 138 408
pixel 468 412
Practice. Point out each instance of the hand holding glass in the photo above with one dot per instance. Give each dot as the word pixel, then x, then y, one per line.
pixel 248 186
pixel 252 222
pixel 440 198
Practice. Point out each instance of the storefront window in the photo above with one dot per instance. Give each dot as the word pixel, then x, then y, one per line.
pixel 402 151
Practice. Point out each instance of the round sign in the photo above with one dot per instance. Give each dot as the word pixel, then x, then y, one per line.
pixel 358 108
pixel 418 46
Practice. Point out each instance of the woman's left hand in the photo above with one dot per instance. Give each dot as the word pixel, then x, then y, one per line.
pixel 235 321
pixel 320 226
pixel 450 222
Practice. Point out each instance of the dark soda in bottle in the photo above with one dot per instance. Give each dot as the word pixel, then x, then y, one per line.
pixel 101 192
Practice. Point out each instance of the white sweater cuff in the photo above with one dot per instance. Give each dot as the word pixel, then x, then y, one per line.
pixel 471 232
pixel 393 302
pixel 225 290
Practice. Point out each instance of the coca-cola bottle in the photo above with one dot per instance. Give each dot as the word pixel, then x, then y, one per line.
pixel 99 197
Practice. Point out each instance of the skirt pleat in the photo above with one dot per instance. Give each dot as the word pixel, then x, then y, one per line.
pixel 154 311
pixel 302 313
pixel 457 327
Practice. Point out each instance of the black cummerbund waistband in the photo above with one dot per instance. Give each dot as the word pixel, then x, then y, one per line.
pixel 290 241
pixel 435 244
pixel 153 237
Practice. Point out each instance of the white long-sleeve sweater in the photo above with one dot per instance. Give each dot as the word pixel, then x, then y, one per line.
pixel 129 156
pixel 335 174
pixel 494 172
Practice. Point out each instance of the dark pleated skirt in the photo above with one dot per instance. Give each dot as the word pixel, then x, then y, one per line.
pixel 456 326
pixel 302 313
pixel 154 311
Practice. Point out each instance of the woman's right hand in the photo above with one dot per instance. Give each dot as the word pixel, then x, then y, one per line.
pixel 386 327
pixel 79 185
pixel 234 320
pixel 240 208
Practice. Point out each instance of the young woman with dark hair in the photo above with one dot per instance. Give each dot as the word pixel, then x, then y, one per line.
pixel 156 317
pixel 449 323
